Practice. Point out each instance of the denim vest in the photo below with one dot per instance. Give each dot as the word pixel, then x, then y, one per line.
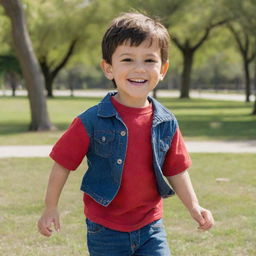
pixel 107 150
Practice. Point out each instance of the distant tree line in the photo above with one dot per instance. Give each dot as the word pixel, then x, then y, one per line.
pixel 213 45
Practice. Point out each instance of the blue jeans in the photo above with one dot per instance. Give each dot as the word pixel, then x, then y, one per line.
pixel 147 241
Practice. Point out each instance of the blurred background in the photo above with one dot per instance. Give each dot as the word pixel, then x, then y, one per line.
pixel 213 43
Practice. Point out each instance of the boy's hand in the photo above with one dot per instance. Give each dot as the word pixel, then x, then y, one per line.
pixel 50 217
pixel 203 217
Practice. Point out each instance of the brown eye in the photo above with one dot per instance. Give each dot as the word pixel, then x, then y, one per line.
pixel 127 60
pixel 150 60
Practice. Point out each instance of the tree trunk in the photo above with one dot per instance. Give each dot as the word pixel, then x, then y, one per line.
pixel 71 83
pixel 188 55
pixel 50 74
pixel 47 77
pixel 49 87
pixel 154 93
pixel 247 80
pixel 29 65
pixel 13 80
pixel 254 107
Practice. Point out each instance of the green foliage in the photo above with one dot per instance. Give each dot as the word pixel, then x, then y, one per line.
pixel 190 22
pixel 244 20
pixel 54 24
pixel 218 59
pixel 9 63
pixel 162 9
pixel 5 38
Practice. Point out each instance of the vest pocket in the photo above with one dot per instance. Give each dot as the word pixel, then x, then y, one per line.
pixel 164 146
pixel 103 142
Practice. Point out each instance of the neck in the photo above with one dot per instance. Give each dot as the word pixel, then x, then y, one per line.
pixel 133 103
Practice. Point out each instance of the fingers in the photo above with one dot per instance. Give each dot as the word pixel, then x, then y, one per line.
pixel 49 219
pixel 203 217
pixel 199 218
pixel 56 225
pixel 208 220
pixel 44 227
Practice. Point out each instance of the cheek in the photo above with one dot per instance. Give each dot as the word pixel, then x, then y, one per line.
pixel 118 75
pixel 120 71
pixel 156 71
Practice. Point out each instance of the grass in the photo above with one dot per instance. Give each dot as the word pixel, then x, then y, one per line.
pixel 211 119
pixel 23 184
pixel 199 119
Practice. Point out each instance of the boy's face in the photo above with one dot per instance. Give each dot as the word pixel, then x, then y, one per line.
pixel 136 71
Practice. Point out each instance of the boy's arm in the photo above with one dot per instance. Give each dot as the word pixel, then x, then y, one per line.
pixel 50 215
pixel 182 185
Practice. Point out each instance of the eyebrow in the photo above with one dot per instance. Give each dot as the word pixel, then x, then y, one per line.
pixel 131 54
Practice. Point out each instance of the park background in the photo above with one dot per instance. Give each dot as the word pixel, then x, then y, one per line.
pixel 53 46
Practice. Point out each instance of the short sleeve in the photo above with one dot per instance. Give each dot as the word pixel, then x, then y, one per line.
pixel 72 146
pixel 177 158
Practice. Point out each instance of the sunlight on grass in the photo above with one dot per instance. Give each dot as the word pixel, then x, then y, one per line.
pixel 199 119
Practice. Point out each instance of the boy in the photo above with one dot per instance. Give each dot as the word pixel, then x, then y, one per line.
pixel 131 142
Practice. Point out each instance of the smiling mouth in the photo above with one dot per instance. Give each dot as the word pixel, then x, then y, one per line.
pixel 137 81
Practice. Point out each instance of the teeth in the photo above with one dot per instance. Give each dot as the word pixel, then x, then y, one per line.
pixel 137 80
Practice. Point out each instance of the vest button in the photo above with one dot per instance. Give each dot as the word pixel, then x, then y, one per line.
pixel 123 133
pixel 119 161
pixel 103 138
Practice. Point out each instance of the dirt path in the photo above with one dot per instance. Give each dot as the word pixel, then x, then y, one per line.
pixel 192 146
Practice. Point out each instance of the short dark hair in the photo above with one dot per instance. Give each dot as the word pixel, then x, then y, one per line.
pixel 134 28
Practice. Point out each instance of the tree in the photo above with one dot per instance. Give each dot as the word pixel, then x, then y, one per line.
pixel 191 30
pixel 246 47
pixel 12 79
pixel 250 21
pixel 254 106
pixel 61 31
pixel 10 69
pixel 243 29
pixel 51 71
pixel 29 65
pixel 190 24
pixel 162 9
pixel 55 35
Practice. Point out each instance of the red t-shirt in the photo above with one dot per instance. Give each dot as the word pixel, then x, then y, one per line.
pixel 137 202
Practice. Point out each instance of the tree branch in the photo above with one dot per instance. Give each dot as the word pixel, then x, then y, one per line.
pixel 251 58
pixel 237 38
pixel 177 42
pixel 65 58
pixel 203 38
pixel 208 29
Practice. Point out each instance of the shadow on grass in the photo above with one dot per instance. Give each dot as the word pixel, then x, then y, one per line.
pixel 15 128
pixel 76 98
pixel 9 128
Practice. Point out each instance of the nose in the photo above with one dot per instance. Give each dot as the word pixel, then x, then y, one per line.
pixel 139 67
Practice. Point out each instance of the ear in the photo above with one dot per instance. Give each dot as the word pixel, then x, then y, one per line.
pixel 107 69
pixel 164 69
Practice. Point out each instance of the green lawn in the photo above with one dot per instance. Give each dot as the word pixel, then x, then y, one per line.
pixel 23 184
pixel 198 119
pixel 211 119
